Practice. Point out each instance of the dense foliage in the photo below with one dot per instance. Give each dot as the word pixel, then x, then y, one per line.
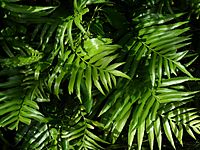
pixel 99 74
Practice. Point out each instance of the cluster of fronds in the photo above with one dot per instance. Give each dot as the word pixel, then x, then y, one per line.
pixel 84 73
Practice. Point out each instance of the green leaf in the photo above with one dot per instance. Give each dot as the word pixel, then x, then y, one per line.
pixel 95 80
pixel 158 133
pixel 160 64
pixel 88 104
pixel 49 34
pixel 9 109
pixel 96 138
pixel 92 142
pixel 69 31
pixel 180 55
pixel 88 80
pixel 155 108
pixel 104 62
pixel 57 83
pixel 65 144
pixel 150 131
pixel 103 79
pixel 156 19
pixel 37 28
pixel 119 111
pixel 72 80
pixel 25 119
pixel 177 80
pixel 27 9
pixel 89 2
pixel 120 125
pixel 147 108
pixel 174 94
pixel 119 74
pixel 44 31
pixel 114 66
pixel 71 59
pixel 140 53
pixel 6 118
pixel 73 76
pixel 32 115
pixel 31 104
pixel 72 133
pixel 166 65
pixel 77 21
pixel 131 135
pixel 63 27
pixel 100 56
pixel 177 132
pixel 182 68
pixel 113 79
pixel 110 103
pixel 172 68
pixel 189 131
pixel 152 68
pixel 107 76
pixel 138 110
pixel 168 132
pixel 9 121
pixel 140 134
pixel 78 82
pixel 11 1
pixel 53 76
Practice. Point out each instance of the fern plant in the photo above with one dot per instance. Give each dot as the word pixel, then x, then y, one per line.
pixel 85 74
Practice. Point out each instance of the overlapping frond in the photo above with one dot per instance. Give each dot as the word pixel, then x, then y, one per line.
pixel 82 61
pixel 77 133
pixel 159 42
pixel 26 13
pixel 89 67
pixel 75 66
pixel 39 137
pixel 156 48
pixel 15 106
pixel 81 135
pixel 163 107
pixel 88 62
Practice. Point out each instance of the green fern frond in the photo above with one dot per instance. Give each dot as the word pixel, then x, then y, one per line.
pixel 81 136
pixel 63 83
pixel 15 111
pixel 90 63
pixel 16 106
pixel 39 137
pixel 77 133
pixel 154 109
pixel 23 10
pixel 160 42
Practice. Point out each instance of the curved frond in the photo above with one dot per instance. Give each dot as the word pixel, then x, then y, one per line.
pixel 163 107
pixel 89 65
pixel 159 41
pixel 15 111
pixel 104 74
pixel 39 137
pixel 15 106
